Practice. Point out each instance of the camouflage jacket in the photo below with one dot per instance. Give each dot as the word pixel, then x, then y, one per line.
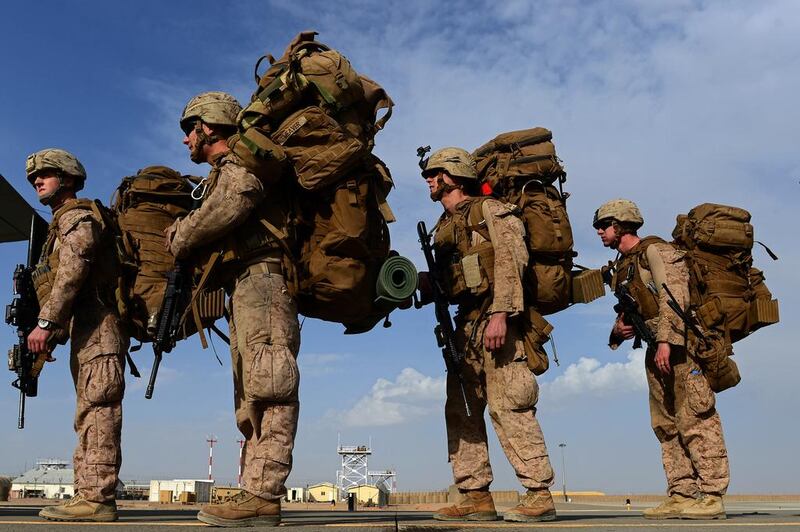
pixel 229 218
pixel 80 297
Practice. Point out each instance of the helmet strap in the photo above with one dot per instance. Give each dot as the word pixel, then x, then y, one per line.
pixel 47 199
pixel 203 139
pixel 442 188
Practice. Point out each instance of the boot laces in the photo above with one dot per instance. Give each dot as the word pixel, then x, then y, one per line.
pixel 75 500
pixel 239 497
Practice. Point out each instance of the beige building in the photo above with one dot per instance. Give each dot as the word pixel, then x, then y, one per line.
pixel 171 491
pixel 369 495
pixel 323 492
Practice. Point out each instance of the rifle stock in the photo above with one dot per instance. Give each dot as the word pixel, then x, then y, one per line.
pixel 444 330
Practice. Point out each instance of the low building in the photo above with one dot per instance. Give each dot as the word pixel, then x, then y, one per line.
pixel 170 491
pixel 50 479
pixel 323 492
pixel 295 495
pixel 369 495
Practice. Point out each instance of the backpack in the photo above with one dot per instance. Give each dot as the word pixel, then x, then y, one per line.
pixel 728 299
pixel 312 121
pixel 520 167
pixel 727 294
pixel 311 112
pixel 143 206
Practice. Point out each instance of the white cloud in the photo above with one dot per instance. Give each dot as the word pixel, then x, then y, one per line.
pixel 590 378
pixel 410 395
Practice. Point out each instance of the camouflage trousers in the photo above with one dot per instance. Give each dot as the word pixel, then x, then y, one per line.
pixel 502 381
pixel 99 386
pixel 265 340
pixel 686 422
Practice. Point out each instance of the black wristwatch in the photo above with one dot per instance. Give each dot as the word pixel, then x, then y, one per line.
pixel 46 324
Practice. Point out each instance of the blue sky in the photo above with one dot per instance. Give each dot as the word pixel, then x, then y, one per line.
pixel 668 103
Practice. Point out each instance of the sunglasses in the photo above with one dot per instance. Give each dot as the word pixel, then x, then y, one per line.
pixel 603 224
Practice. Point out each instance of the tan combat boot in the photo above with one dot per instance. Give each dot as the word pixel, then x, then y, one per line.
pixel 79 509
pixel 243 509
pixel 706 507
pixel 475 505
pixel 535 505
pixel 671 508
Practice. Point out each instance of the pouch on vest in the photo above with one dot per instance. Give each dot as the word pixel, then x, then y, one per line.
pixel 536 331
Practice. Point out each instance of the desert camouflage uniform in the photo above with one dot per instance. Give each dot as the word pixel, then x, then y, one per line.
pixel 682 405
pixel 265 333
pixel 79 301
pixel 499 379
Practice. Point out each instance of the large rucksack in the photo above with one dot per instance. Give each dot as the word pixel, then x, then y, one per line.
pixel 143 206
pixel 521 167
pixel 728 298
pixel 727 293
pixel 312 121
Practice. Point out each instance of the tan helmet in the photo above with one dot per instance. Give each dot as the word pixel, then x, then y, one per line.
pixel 455 161
pixel 619 210
pixel 55 159
pixel 214 108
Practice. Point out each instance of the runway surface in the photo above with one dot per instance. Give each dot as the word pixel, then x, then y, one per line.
pixel 753 516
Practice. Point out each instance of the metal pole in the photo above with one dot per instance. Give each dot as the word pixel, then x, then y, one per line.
pixel 563 472
pixel 241 453
pixel 211 440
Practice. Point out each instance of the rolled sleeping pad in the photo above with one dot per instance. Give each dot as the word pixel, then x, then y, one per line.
pixel 397 281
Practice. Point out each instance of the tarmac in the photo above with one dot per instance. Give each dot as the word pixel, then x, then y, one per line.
pixel 755 515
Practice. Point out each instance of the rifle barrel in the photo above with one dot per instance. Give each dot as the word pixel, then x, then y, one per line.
pixel 148 394
pixel 21 416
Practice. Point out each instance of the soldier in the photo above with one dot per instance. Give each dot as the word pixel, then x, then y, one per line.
pixel 228 232
pixel 479 244
pixel 682 409
pixel 75 288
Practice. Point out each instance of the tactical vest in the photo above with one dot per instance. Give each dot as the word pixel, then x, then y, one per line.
pixel 467 269
pixel 262 234
pixel 103 283
pixel 629 268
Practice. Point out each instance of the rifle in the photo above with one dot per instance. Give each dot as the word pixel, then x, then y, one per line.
pixel 676 308
pixel 631 315
pixel 169 318
pixel 23 313
pixel 444 331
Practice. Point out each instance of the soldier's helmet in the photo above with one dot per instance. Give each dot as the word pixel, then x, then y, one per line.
pixel 213 108
pixel 454 161
pixel 56 159
pixel 619 210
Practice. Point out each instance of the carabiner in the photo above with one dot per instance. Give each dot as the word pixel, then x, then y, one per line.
pixel 202 193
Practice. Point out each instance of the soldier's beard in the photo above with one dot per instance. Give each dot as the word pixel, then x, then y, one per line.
pixel 196 154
